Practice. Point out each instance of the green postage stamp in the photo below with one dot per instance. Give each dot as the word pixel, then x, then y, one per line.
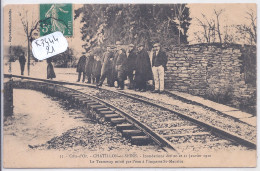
pixel 56 17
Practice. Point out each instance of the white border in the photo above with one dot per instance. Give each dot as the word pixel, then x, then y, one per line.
pixel 5 2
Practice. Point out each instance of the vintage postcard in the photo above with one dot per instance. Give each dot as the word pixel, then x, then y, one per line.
pixel 129 85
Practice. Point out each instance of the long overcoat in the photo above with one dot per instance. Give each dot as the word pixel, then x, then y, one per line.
pixel 81 64
pixel 96 69
pixel 107 63
pixel 89 65
pixel 131 62
pixel 50 69
pixel 121 65
pixel 143 66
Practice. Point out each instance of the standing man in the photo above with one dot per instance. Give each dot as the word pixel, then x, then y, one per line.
pixel 89 66
pixel 121 64
pixel 81 67
pixel 106 70
pixel 131 58
pixel 159 61
pixel 114 70
pixel 143 70
pixel 22 61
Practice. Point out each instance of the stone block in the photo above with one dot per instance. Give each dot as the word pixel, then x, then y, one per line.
pixel 184 75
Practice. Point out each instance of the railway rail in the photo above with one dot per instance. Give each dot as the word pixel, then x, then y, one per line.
pixel 143 121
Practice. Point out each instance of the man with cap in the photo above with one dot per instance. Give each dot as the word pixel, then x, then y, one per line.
pixel 106 70
pixel 121 65
pixel 131 58
pixel 143 71
pixel 159 61
pixel 81 67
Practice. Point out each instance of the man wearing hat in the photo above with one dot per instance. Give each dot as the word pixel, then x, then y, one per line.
pixel 120 65
pixel 131 58
pixel 143 71
pixel 159 61
pixel 81 67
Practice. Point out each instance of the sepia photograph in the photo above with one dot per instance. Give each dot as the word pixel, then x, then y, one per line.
pixel 129 85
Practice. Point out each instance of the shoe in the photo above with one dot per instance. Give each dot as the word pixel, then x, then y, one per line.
pixel 161 92
pixel 78 81
pixel 143 90
pixel 155 91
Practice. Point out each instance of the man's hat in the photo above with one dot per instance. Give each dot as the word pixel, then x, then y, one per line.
pixel 156 45
pixel 140 44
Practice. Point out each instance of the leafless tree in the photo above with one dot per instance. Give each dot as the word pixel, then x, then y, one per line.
pixel 30 29
pixel 249 32
pixel 218 13
pixel 208 26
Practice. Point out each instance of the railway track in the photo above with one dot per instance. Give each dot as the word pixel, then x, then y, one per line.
pixel 142 121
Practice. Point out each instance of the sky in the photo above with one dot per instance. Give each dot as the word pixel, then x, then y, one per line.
pixel 233 14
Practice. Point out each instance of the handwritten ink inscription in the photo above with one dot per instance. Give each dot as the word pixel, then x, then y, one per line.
pixel 49 45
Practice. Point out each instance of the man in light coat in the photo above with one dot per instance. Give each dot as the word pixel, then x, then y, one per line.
pixel 159 61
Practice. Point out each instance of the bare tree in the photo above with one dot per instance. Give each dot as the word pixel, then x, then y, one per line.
pixel 208 28
pixel 29 29
pixel 249 32
pixel 218 13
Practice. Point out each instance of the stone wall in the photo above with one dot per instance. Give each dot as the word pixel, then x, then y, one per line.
pixel 213 71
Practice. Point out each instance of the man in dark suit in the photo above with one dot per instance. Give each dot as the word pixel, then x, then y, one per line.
pixel 89 66
pixel 81 67
pixel 159 61
pixel 131 58
pixel 22 61
pixel 143 71
pixel 121 65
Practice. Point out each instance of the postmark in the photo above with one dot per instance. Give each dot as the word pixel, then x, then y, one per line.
pixel 56 17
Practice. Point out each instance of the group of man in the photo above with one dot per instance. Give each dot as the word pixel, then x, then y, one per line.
pixel 119 64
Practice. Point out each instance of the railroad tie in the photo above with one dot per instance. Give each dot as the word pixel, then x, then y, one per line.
pixel 108 117
pixel 132 132
pixel 105 112
pixel 103 109
pixel 92 104
pixel 95 107
pixel 140 140
pixel 118 120
pixel 124 126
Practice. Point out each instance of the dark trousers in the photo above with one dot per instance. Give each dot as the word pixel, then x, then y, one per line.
pixel 22 68
pixel 131 79
pixel 89 77
pixel 96 79
pixel 79 76
pixel 109 77
pixel 121 84
pixel 140 84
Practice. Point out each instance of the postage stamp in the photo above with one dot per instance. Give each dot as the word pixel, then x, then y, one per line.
pixel 56 17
